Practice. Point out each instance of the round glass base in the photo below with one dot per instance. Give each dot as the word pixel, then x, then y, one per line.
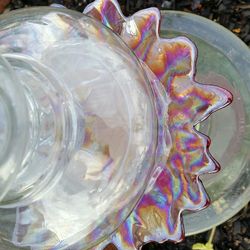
pixel 224 60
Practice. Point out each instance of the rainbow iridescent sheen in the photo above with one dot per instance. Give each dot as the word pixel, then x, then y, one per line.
pixel 177 187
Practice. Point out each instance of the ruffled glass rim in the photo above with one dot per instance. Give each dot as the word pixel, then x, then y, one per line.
pixel 176 185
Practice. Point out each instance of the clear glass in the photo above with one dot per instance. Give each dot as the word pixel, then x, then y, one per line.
pixel 224 60
pixel 13 130
pixel 92 129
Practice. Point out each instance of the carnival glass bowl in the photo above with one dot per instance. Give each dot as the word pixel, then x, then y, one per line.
pixel 112 151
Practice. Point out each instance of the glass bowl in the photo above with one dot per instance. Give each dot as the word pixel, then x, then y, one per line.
pixel 225 61
pixel 117 129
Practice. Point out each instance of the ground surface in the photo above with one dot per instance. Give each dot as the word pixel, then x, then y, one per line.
pixel 233 14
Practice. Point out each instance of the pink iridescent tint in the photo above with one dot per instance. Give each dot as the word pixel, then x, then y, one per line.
pixel 158 215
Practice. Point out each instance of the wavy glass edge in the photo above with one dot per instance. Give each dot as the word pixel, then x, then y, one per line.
pixel 236 51
pixel 158 216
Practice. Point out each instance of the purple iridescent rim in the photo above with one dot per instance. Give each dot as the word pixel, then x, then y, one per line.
pixel 158 216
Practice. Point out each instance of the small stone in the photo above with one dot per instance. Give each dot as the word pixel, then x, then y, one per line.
pixel 237 227
pixel 61 2
pixel 17 4
pixel 166 4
